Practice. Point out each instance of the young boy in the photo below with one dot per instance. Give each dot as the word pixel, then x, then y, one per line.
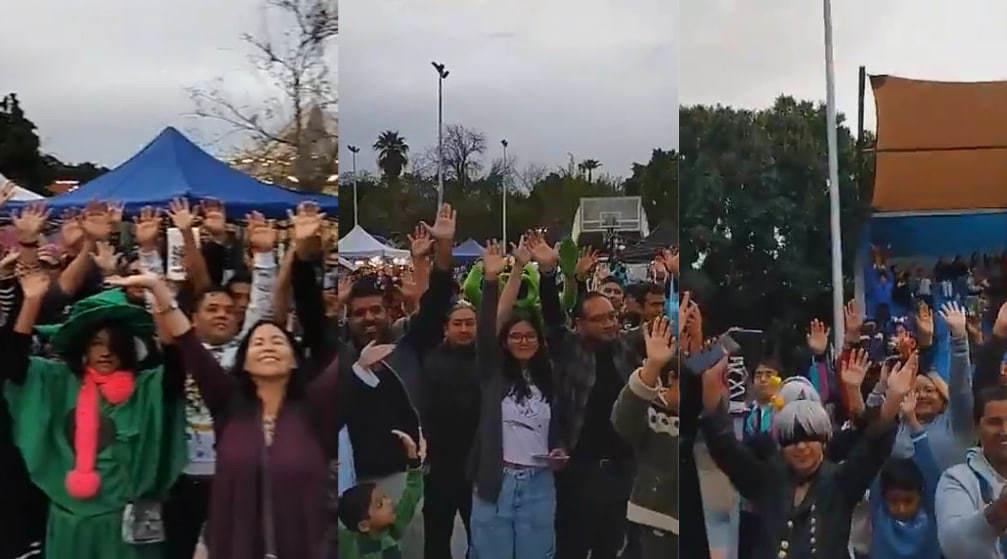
pixel 902 500
pixel 372 524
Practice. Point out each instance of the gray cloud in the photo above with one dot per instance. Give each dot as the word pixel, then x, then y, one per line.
pixel 100 79
pixel 596 78
pixel 745 54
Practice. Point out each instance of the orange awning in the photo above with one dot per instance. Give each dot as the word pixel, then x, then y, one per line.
pixel 940 145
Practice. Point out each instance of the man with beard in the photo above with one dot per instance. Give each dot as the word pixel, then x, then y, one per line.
pixel 593 363
pixel 380 383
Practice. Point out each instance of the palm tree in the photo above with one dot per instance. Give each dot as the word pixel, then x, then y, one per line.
pixel 392 153
pixel 589 165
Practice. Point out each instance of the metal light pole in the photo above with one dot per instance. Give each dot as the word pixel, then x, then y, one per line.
pixel 503 189
pixel 353 155
pixel 442 74
pixel 838 317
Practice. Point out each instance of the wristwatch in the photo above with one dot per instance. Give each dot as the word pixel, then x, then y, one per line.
pixel 173 306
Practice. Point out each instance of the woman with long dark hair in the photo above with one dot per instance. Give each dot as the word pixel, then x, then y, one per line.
pixel 275 428
pixel 517 443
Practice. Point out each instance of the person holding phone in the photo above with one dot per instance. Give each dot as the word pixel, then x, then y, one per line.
pixel 517 444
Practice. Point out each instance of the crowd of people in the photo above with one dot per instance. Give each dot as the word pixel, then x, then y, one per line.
pixel 148 417
pixel 869 450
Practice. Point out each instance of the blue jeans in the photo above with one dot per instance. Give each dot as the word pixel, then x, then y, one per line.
pixel 520 524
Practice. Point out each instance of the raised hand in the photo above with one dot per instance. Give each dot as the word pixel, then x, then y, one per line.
pixel 373 353
pixel 97 221
pixel 658 340
pixel 444 226
pixel 494 260
pixel 521 254
pixel 70 232
pixel 818 337
pixel 181 214
pixel 924 325
pixel 420 242
pixel 855 369
pixel 106 258
pixel 343 289
pixel 585 263
pixel 146 280
pixel 261 232
pixel 9 261
pixel 907 409
pixel 307 222
pixel 214 219
pixel 714 387
pixel 34 284
pixel 115 210
pixel 148 226
pixel 6 192
pixel 546 256
pixel 954 315
pixel 902 378
pixel 29 223
pixel 853 321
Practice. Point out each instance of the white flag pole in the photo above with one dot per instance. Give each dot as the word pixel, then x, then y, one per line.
pixel 837 248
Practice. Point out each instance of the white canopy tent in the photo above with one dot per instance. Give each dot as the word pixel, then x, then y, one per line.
pixel 361 245
pixel 21 194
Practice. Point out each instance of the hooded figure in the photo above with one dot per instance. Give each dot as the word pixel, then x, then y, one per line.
pixel 95 440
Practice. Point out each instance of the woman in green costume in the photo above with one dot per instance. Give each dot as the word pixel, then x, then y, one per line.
pixel 100 436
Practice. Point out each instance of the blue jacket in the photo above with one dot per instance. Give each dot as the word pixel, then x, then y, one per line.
pixel 915 539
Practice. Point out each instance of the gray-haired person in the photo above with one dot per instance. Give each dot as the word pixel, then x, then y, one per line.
pixel 805 500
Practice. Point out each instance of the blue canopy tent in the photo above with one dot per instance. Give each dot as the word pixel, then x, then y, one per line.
pixel 468 252
pixel 171 166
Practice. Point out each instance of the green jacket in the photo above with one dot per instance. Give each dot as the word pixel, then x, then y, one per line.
pixel 354 545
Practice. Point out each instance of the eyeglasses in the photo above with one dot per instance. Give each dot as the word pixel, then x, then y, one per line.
pixel 526 338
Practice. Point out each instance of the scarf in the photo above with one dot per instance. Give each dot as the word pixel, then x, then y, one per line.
pixel 82 482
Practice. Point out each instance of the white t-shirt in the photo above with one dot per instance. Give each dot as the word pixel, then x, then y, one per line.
pixel 526 428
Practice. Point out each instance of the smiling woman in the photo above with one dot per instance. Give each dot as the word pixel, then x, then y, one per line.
pixel 276 428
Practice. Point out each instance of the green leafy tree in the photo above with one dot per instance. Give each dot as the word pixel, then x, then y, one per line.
pixel 755 216
pixel 393 154
pixel 657 183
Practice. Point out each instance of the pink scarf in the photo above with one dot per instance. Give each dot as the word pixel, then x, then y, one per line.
pixel 82 482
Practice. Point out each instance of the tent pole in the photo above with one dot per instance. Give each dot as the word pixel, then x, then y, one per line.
pixel 837 249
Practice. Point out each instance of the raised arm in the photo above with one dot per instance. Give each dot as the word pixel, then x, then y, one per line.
pixel 262 239
pixel 426 327
pixel 309 303
pixel 960 376
pixel 17 345
pixel 511 290
pixel 284 285
pixel 989 360
pixel 215 385
pixel 184 219
pixel 548 260
pixel 748 474
pixel 629 415
pixel 486 331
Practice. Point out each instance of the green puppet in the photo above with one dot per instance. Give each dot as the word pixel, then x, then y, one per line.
pixel 93 439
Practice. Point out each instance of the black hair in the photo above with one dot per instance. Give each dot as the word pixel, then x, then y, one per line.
pixel 121 343
pixel 240 276
pixel 355 505
pixel 248 396
pixel 367 286
pixel 539 367
pixel 578 310
pixel 210 291
pixel 995 393
pixel 901 473
pixel 639 291
pixel 611 279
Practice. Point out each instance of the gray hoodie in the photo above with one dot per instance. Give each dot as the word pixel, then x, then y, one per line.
pixel 961 521
pixel 643 421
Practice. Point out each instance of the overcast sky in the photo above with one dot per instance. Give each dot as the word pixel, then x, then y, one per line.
pixel 102 78
pixel 745 54
pixel 595 78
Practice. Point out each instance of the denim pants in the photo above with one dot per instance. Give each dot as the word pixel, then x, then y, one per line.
pixel 520 524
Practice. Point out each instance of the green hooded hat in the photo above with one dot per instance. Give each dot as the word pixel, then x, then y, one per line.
pixel 87 314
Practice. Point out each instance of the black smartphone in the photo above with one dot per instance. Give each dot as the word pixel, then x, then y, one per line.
pixel 707 359
pixel 752 344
